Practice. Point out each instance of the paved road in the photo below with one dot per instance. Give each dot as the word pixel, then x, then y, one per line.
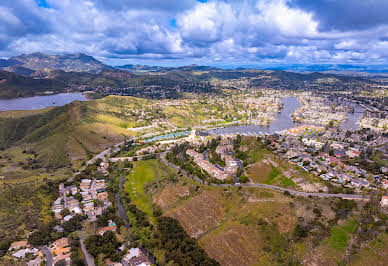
pixel 88 258
pixel 293 192
pixel 102 154
pixel 139 157
pixel 49 256
pixel 92 189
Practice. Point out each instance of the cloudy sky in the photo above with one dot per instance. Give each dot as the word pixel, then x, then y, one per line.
pixel 212 32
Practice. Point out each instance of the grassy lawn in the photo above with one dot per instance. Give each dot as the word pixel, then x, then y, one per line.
pixel 143 173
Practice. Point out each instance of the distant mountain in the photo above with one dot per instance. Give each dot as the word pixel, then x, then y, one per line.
pixel 335 68
pixel 67 62
pixel 140 68
pixel 145 68
pixel 20 70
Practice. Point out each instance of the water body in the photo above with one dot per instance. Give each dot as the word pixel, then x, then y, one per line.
pixel 283 121
pixel 353 120
pixel 40 102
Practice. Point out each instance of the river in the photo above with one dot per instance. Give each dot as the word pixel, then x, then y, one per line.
pixel 40 102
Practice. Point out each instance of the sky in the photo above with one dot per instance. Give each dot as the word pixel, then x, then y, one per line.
pixel 224 33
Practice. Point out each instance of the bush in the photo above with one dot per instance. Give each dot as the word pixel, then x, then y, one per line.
pixel 300 232
pixel 243 179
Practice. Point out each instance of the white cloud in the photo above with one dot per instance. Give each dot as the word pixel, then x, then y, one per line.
pixel 233 31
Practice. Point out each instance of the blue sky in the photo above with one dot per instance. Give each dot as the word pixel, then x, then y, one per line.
pixel 214 32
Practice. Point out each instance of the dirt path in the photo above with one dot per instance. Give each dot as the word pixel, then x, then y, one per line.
pixel 155 170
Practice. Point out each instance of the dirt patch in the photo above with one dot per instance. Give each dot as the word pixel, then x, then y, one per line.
pixel 236 244
pixel 170 195
pixel 316 187
pixel 199 214
pixel 259 172
pixel 321 256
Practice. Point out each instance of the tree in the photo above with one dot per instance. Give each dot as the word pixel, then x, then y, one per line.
pixel 61 263
pixel 65 212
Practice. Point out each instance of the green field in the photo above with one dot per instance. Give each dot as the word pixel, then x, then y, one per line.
pixel 274 173
pixel 142 173
pixel 340 235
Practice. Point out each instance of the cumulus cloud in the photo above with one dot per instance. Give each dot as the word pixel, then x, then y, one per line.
pixel 208 32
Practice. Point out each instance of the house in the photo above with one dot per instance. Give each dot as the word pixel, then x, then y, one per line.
pixel 86 197
pixel 61 250
pixel 19 244
pixel 384 201
pixel 352 153
pixel 345 177
pixel 136 257
pixel 75 209
pixel 23 252
pixel 364 183
pixel 89 206
pixel 139 261
pixel 72 190
pixel 102 196
pixel 111 227
pixel 355 183
pixel 67 217
pixel 57 208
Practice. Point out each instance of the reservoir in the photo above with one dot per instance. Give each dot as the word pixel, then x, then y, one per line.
pixel 40 102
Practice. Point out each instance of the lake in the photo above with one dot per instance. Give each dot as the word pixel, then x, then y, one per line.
pixel 40 102
pixel 283 121
pixel 353 120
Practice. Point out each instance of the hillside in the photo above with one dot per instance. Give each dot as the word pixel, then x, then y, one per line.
pixel 13 85
pixel 254 226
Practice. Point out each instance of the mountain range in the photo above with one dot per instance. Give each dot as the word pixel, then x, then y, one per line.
pixel 33 74
pixel 26 64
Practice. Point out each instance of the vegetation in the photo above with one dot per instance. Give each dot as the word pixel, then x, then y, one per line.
pixel 105 244
pixel 180 248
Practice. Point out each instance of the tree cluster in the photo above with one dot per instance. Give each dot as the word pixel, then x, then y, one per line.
pixel 179 247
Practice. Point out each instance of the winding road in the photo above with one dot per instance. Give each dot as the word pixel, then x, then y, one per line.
pixel 49 256
pixel 292 192
pixel 162 157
